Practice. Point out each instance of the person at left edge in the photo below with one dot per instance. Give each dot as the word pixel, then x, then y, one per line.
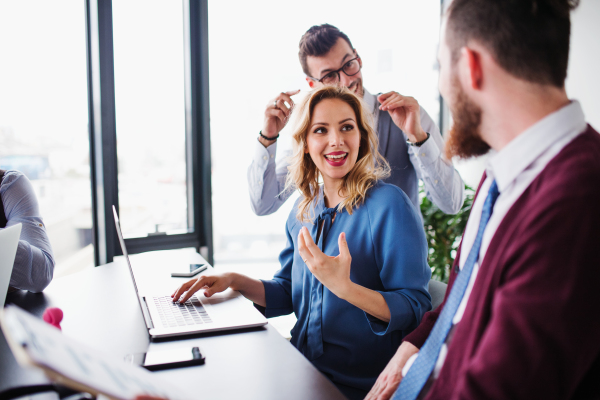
pixel 34 263
pixel 362 286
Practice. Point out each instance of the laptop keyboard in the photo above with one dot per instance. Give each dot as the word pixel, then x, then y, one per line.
pixel 171 314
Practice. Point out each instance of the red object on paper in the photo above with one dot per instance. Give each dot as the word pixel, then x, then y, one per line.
pixel 53 316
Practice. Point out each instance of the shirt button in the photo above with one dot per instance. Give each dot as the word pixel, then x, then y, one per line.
pixel 272 155
pixel 265 157
pixel 260 182
pixel 41 225
pixel 435 181
pixel 422 154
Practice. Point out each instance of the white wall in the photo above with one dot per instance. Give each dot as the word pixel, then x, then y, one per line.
pixel 583 79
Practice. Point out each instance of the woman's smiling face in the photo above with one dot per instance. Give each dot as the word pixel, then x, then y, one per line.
pixel 333 140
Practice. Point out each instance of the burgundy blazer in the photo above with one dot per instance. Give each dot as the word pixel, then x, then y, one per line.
pixel 531 329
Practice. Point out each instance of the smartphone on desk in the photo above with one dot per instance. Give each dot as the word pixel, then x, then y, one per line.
pixel 194 270
pixel 165 359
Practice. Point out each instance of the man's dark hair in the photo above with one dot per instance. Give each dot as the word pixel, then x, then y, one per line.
pixel 317 41
pixel 528 38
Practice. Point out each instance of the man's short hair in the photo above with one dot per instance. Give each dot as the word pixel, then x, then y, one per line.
pixel 528 38
pixel 317 41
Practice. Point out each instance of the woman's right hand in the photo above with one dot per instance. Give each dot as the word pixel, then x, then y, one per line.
pixel 212 283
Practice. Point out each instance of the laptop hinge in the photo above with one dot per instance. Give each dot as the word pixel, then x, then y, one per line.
pixel 146 312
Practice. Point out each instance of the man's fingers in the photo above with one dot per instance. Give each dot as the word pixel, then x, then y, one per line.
pixel 285 97
pixel 283 107
pixel 410 103
pixel 382 391
pixel 277 113
pixel 288 96
pixel 382 97
pixel 389 99
pixel 392 98
pixel 394 104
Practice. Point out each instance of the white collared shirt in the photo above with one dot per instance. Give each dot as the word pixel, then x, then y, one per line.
pixel 514 168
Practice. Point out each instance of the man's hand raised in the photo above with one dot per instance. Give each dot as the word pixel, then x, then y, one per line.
pixel 277 114
pixel 390 378
pixel 405 113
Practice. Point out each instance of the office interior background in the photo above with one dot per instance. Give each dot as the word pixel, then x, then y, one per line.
pixel 45 109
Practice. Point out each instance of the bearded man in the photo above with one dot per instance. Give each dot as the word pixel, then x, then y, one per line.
pixel 520 317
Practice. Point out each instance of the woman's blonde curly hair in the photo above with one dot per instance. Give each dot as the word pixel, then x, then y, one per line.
pixel 370 165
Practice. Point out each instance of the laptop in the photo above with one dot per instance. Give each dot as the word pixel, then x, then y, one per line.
pixel 9 241
pixel 223 311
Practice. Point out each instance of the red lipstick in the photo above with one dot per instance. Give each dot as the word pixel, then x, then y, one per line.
pixel 334 158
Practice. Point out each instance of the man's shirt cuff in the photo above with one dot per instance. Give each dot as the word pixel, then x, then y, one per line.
pixel 264 155
pixel 427 153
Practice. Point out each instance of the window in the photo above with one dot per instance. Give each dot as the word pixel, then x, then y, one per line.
pixel 44 119
pixel 150 118
pixel 85 82
pixel 148 82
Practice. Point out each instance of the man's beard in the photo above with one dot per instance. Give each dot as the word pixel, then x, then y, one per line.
pixel 464 138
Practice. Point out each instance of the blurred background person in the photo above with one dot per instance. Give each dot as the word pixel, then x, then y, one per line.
pixel 34 263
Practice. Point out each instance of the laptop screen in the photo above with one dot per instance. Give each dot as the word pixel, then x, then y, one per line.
pixel 9 242
pixel 124 249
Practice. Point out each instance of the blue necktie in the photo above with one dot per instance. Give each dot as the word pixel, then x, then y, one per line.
pixel 314 334
pixel 419 372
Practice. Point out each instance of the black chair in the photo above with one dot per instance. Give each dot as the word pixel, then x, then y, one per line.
pixel 437 290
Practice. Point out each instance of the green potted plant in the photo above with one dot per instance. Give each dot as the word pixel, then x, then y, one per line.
pixel 443 233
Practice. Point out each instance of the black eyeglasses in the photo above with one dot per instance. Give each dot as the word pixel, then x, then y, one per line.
pixel 350 68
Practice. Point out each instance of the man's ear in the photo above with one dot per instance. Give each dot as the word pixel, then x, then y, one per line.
pixel 474 68
pixel 311 83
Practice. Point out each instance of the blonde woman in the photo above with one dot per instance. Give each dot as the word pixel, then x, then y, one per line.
pixel 355 267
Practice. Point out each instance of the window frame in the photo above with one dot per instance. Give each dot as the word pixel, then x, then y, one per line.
pixel 103 138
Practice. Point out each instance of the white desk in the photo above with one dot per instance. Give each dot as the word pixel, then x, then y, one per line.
pixel 101 311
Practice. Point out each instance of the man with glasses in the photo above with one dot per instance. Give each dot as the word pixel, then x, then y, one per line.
pixel 408 137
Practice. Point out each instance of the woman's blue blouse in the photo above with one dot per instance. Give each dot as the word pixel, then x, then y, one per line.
pixel 389 254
